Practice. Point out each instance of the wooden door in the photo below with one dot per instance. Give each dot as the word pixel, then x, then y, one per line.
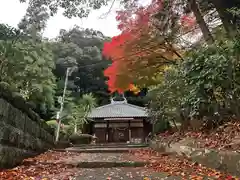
pixel 101 135
pixel 120 135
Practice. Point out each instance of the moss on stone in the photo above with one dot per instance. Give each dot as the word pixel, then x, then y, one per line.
pixel 16 100
pixel 22 132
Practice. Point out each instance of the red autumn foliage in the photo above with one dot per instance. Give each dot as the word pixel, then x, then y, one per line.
pixel 124 50
pixel 188 21
pixel 132 23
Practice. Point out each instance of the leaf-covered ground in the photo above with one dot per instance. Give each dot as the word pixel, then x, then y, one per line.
pixel 39 167
pixel 178 166
pixel 53 166
pixel 226 137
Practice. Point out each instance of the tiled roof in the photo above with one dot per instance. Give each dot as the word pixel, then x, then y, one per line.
pixel 118 109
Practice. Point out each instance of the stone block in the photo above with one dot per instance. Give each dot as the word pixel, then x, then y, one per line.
pixel 10 156
pixel 28 125
pixel 39 144
pixel 20 121
pixel 13 116
pixel 21 142
pixel 43 134
pixel 37 131
pixel 14 135
pixel 50 138
pixel 4 106
pixel 6 133
pixel 225 161
pixel 27 141
pixel 34 129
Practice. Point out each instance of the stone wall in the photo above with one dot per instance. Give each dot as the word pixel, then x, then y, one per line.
pixel 225 161
pixel 22 132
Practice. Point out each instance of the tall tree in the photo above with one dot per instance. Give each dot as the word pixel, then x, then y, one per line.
pixel 144 48
pixel 201 22
pixel 229 19
pixel 79 109
pixel 82 48
pixel 27 66
pixel 35 20
pixel 73 8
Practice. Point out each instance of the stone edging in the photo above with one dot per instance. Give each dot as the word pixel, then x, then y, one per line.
pixel 225 161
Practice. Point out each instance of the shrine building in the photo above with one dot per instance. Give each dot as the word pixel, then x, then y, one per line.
pixel 119 122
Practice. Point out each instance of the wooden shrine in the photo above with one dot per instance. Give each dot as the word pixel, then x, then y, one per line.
pixel 119 122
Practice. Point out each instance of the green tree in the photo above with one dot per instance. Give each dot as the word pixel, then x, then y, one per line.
pixel 75 8
pixel 82 48
pixel 35 20
pixel 212 74
pixel 229 19
pixel 203 89
pixel 79 110
pixel 166 99
pixel 27 66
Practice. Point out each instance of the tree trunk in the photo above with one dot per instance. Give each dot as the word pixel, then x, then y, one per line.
pixel 202 24
pixel 175 125
pixel 75 128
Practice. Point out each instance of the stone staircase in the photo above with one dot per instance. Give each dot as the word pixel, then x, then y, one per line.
pixel 103 155
pixel 104 148
pixel 110 161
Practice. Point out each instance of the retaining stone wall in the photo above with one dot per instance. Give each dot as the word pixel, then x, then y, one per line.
pixel 22 132
pixel 225 161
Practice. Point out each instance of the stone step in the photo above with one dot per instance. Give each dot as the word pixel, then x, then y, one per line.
pixel 98 150
pixel 106 164
pixel 91 146
pixel 102 160
pixel 95 164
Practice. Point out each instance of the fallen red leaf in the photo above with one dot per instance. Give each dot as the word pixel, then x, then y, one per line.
pixel 40 167
pixel 177 166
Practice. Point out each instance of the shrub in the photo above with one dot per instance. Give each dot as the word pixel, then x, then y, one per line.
pixel 52 124
pixel 201 91
pixel 62 144
pixel 81 138
pixel 161 126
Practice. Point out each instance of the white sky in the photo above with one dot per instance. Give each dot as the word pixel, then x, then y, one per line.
pixel 12 11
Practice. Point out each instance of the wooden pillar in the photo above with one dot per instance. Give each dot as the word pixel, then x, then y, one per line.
pixel 93 128
pixel 143 130
pixel 107 135
pixel 129 131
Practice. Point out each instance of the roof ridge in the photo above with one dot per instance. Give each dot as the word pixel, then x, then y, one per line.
pixel 100 107
pixel 140 107
pixel 119 110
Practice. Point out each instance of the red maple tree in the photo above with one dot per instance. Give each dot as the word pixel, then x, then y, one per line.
pixel 135 23
pixel 132 22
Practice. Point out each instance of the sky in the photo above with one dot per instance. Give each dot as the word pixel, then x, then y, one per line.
pixel 12 11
